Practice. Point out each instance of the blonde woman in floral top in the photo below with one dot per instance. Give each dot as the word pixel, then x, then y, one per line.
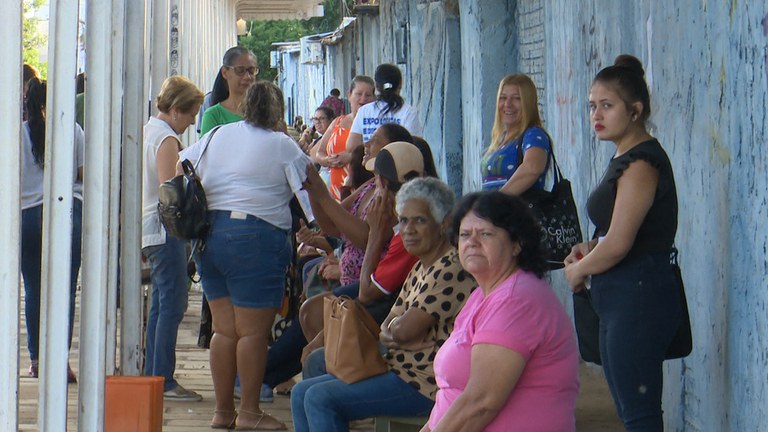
pixel 418 324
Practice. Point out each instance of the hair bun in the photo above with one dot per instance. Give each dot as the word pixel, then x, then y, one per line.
pixel 630 62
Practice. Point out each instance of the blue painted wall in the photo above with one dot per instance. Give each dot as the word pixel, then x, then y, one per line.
pixel 706 66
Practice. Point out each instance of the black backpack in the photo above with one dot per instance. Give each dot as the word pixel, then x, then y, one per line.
pixel 182 206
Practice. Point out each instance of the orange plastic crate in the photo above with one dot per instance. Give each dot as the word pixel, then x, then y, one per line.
pixel 133 404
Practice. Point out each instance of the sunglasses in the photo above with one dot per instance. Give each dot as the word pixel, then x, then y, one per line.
pixel 242 70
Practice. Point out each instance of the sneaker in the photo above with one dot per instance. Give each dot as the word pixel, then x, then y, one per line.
pixel 179 393
pixel 266 394
pixel 33 370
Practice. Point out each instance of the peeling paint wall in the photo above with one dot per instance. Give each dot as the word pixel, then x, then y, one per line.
pixel 423 39
pixel 706 66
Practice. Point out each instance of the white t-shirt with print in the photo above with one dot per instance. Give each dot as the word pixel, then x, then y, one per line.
pixel 369 118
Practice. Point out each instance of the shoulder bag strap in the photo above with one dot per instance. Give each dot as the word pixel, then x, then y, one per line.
pixel 207 143
pixel 555 167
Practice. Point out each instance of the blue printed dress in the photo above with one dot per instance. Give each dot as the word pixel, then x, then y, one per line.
pixel 498 167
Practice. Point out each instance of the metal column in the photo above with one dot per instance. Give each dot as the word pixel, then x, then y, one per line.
pixel 57 215
pixel 134 114
pixel 10 201
pixel 96 190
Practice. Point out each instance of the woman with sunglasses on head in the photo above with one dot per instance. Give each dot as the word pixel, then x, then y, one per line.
pixel 238 71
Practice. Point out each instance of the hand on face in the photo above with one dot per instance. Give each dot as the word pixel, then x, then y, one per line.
pixel 381 214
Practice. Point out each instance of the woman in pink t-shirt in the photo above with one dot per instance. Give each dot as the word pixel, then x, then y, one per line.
pixel 511 362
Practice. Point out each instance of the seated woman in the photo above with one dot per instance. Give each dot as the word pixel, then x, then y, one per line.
pixel 511 362
pixel 418 324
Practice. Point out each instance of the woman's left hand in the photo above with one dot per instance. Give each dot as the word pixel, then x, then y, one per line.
pixel 314 184
pixel 339 160
pixel 575 277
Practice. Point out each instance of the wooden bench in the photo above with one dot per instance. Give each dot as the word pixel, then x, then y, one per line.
pixel 399 424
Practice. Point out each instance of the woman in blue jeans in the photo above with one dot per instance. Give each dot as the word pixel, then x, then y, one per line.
pixel 249 172
pixel 634 209
pixel 177 103
pixel 32 154
pixel 417 325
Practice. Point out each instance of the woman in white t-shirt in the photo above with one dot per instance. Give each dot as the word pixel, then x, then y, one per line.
pixel 178 103
pixel 389 107
pixel 249 172
pixel 32 155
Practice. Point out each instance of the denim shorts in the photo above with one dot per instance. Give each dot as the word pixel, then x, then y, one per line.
pixel 245 258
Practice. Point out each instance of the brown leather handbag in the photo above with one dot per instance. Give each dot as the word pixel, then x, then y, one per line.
pixel 351 341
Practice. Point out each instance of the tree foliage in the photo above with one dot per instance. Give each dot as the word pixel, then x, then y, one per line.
pixel 32 38
pixel 262 34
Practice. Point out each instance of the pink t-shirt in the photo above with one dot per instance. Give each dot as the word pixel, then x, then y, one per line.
pixel 524 315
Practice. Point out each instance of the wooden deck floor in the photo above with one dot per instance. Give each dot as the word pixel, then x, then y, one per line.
pixel 595 412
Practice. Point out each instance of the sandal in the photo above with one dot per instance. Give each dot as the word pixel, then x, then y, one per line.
pixel 255 426
pixel 230 425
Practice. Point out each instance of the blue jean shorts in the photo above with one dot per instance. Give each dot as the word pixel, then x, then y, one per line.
pixel 245 258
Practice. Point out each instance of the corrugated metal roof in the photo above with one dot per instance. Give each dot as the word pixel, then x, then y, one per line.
pixel 278 9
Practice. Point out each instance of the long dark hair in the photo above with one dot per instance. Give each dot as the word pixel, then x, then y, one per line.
pixel 511 214
pixel 36 118
pixel 389 79
pixel 220 90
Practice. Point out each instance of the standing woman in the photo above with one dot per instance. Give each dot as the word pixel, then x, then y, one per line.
pixel 634 209
pixel 178 103
pixel 248 248
pixel 516 127
pixel 32 156
pixel 238 71
pixel 332 148
pixel 389 107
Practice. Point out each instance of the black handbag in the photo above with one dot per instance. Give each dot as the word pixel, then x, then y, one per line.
pixel 183 206
pixel 556 212
pixel 587 324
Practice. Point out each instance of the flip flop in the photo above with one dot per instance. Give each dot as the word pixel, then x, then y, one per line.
pixel 230 425
pixel 255 427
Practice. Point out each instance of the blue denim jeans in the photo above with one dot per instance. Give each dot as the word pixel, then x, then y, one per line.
pixel 31 255
pixel 326 404
pixel 639 308
pixel 245 260
pixel 168 270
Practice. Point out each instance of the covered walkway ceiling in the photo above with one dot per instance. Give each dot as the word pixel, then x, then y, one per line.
pixel 278 9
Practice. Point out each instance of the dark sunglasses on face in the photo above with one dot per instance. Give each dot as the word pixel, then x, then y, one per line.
pixel 242 70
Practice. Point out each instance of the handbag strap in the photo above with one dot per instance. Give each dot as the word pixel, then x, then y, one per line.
pixel 558 175
pixel 205 147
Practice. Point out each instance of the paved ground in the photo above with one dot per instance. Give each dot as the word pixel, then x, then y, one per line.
pixel 595 412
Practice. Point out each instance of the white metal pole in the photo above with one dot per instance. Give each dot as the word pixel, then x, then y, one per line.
pixel 57 215
pixel 134 113
pixel 118 33
pixel 10 201
pixel 159 62
pixel 96 191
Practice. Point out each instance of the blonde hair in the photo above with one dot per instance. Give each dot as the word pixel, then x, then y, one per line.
pixel 529 115
pixel 180 93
